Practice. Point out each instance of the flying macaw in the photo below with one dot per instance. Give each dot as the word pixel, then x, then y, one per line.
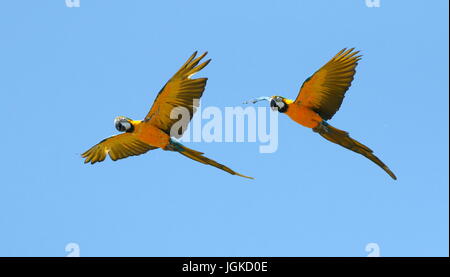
pixel 140 136
pixel 319 99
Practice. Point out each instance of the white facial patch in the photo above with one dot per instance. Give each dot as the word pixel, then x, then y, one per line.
pixel 280 105
pixel 126 124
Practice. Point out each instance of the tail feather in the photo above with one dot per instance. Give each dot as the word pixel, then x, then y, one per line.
pixel 198 156
pixel 342 138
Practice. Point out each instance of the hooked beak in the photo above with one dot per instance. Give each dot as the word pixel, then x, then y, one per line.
pixel 262 98
pixel 273 105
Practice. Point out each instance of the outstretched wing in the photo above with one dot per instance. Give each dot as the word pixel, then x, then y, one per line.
pixel 118 147
pixel 179 91
pixel 324 91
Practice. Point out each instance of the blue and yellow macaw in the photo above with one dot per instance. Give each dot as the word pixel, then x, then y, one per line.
pixel 320 97
pixel 140 136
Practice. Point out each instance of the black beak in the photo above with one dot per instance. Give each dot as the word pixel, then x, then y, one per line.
pixel 273 104
pixel 119 126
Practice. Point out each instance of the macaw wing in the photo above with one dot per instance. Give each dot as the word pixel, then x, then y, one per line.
pixel 324 91
pixel 179 91
pixel 117 147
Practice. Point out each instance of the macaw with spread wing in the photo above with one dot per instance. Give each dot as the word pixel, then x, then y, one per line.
pixel 319 99
pixel 140 136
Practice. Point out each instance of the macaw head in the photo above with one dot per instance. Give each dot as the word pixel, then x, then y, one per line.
pixel 123 124
pixel 277 103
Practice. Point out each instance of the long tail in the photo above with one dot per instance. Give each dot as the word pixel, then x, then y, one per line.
pixel 198 156
pixel 343 139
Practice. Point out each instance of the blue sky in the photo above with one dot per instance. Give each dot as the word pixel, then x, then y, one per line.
pixel 67 72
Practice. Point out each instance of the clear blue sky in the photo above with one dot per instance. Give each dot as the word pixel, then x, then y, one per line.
pixel 67 72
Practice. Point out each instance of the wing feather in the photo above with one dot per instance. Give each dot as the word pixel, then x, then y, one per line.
pixel 117 147
pixel 324 91
pixel 179 91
